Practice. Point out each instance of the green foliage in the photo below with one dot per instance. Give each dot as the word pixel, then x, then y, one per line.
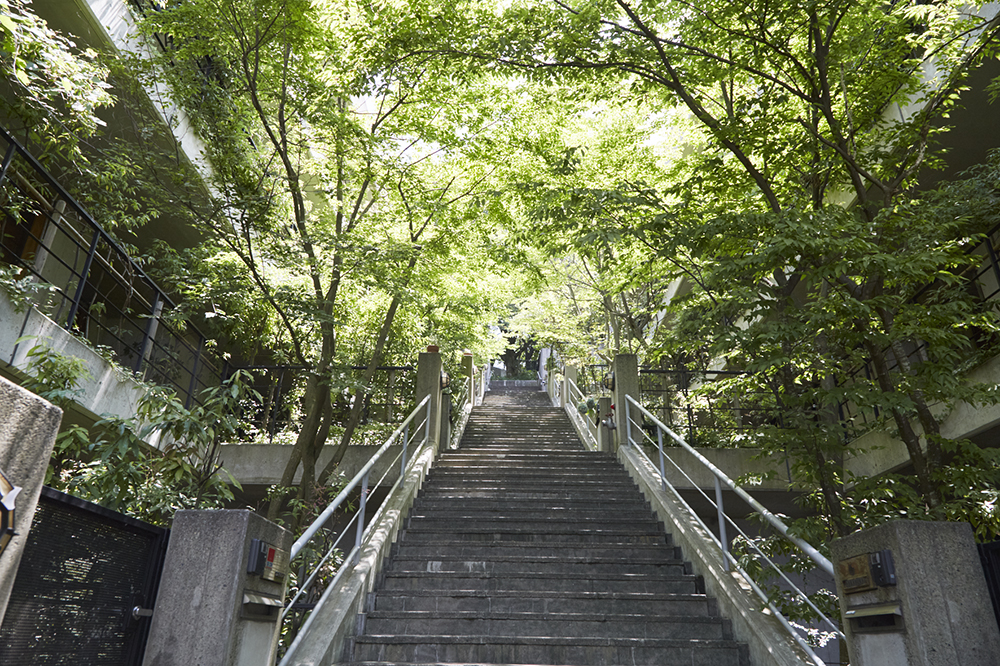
pixel 57 88
pixel 114 465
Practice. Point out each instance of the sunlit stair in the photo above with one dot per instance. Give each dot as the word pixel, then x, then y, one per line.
pixel 523 548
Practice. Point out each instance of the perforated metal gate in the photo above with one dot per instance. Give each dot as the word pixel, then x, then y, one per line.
pixel 989 553
pixel 83 571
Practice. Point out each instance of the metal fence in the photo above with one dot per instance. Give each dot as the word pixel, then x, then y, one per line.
pixel 280 387
pixel 79 276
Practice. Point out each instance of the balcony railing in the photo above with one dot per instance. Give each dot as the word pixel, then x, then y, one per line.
pixel 89 285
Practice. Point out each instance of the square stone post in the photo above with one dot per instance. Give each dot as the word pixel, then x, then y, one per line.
pixel 626 377
pixel 605 435
pixel 211 608
pixel 570 373
pixel 934 610
pixel 429 383
pixel 28 428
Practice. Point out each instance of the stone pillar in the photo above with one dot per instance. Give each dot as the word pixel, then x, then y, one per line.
pixel 930 608
pixel 626 369
pixel 468 369
pixel 429 383
pixel 570 373
pixel 605 435
pixel 28 428
pixel 211 609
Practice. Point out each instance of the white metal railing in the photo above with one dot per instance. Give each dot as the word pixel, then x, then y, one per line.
pixel 721 539
pixel 401 434
pixel 586 426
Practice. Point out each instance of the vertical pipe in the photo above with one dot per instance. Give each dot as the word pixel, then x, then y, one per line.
pixel 83 280
pixel 722 524
pixel 628 423
pixel 427 423
pixel 361 520
pixel 147 337
pixel 192 385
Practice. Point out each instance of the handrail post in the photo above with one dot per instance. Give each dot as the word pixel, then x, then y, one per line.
pixel 663 472
pixel 723 540
pixel 361 520
pixel 628 426
pixel 406 441
pixel 469 369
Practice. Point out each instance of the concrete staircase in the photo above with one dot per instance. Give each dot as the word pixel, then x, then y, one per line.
pixel 523 548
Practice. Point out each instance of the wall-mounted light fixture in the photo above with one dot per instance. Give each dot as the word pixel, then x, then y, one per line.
pixel 445 380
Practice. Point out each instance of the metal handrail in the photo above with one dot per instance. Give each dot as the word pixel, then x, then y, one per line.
pixel 361 475
pixel 722 479
pixel 353 557
pixel 574 396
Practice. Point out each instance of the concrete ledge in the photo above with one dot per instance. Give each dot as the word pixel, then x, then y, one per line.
pixel 107 391
pixel 263 464
pixel 769 643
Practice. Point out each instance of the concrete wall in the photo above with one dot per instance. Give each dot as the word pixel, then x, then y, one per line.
pixel 106 391
pixel 877 451
pixel 939 602
pixel 28 427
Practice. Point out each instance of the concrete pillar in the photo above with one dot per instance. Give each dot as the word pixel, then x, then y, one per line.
pixel 210 608
pixel 429 383
pixel 28 428
pixel 570 373
pixel 468 370
pixel 934 610
pixel 626 374
pixel 605 435
pixel 445 420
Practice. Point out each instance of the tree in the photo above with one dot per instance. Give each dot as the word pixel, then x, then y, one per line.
pixel 800 110
pixel 334 176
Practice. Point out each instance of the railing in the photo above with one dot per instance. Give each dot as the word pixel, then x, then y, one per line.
pixel 75 273
pixel 633 426
pixel 276 386
pixel 586 426
pixel 318 527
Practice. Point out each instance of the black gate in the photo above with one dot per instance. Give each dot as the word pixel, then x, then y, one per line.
pixel 83 572
pixel 989 553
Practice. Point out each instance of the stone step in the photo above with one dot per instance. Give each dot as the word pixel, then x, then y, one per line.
pixel 572 504
pixel 534 582
pixel 645 553
pixel 537 601
pixel 549 650
pixel 569 625
pixel 591 514
pixel 557 524
pixel 535 565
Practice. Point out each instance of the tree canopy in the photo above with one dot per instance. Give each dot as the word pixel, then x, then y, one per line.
pixel 705 183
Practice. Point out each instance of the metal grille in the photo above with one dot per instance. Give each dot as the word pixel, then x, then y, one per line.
pixel 83 570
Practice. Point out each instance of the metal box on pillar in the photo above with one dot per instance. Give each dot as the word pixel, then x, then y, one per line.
pixel 221 592
pixel 913 593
